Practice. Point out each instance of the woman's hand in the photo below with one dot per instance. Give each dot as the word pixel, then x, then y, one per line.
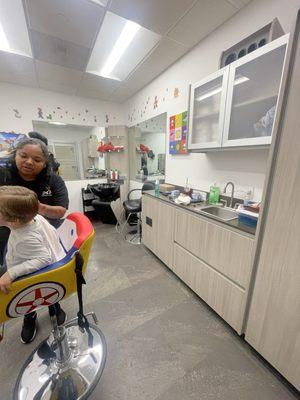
pixel 5 283
pixel 51 211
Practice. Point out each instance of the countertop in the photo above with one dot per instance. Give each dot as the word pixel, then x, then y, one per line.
pixel 234 223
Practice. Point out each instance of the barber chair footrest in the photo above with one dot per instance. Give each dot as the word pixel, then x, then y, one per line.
pixel 43 377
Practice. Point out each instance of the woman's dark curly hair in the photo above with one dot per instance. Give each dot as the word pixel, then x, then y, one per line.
pixel 35 142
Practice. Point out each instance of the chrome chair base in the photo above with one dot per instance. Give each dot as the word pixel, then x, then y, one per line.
pixel 69 371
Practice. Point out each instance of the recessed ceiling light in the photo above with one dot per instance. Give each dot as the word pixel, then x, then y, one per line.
pixel 128 33
pixel 120 46
pixel 14 36
pixel 3 40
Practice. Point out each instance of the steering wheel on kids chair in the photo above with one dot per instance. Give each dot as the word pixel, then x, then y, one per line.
pixel 69 363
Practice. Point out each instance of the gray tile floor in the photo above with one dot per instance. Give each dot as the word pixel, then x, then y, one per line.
pixel 164 343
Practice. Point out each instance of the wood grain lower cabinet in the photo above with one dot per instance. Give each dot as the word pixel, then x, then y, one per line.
pixel 226 298
pixel 230 253
pixel 158 228
pixel 214 261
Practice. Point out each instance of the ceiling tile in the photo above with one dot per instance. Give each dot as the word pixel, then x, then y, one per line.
pixel 97 87
pixel 17 69
pixel 164 55
pixel 76 21
pixel 60 52
pixel 156 15
pixel 55 77
pixel 202 19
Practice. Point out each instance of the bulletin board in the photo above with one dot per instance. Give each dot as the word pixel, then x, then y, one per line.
pixel 178 134
pixel 8 141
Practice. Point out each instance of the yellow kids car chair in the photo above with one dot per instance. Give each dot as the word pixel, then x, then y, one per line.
pixel 69 363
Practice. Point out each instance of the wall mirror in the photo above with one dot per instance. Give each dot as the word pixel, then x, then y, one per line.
pixel 75 148
pixel 147 149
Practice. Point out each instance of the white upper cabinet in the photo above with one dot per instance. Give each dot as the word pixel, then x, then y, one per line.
pixel 208 98
pixel 236 106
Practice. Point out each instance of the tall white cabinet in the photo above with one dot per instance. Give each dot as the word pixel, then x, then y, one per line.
pixel 273 326
pixel 236 105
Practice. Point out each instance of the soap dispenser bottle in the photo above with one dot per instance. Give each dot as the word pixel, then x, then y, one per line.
pixel 214 193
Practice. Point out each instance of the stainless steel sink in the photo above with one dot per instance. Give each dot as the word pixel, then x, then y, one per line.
pixel 223 214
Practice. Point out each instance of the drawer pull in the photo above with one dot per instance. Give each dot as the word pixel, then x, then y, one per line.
pixel 149 221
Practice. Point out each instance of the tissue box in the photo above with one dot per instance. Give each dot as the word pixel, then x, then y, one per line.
pixel 166 187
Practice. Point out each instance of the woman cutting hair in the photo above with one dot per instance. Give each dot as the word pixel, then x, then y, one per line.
pixel 29 167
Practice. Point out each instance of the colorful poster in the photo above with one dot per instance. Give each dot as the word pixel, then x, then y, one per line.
pixel 8 140
pixel 178 134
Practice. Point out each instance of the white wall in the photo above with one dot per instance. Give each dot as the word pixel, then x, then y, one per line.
pixel 245 168
pixel 62 107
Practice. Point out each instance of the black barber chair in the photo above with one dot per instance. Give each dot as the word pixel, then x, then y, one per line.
pixel 133 207
pixel 105 194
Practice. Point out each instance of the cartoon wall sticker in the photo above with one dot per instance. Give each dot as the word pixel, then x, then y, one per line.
pixel 155 103
pixel 176 93
pixel 106 118
pixel 17 113
pixel 49 116
pixel 40 113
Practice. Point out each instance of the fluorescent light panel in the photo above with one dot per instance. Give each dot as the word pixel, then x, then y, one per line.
pixel 3 40
pixel 128 33
pixel 120 46
pixel 13 28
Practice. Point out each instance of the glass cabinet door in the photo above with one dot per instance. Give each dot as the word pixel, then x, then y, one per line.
pixel 207 106
pixel 253 88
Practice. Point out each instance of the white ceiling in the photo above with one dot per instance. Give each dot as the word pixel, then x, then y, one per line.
pixel 62 34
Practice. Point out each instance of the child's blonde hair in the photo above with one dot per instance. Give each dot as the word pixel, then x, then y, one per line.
pixel 18 204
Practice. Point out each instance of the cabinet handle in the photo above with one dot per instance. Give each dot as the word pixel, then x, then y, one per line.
pixel 149 221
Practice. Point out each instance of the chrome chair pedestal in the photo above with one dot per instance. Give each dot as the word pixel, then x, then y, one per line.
pixel 65 366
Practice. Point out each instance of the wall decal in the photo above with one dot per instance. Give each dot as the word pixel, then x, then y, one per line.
pixel 17 113
pixel 155 103
pixel 178 134
pixel 95 118
pixel 49 116
pixel 106 118
pixel 86 111
pixel 59 108
pixel 176 93
pixel 53 112
pixel 40 113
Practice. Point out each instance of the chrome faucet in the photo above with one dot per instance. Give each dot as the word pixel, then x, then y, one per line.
pixel 232 191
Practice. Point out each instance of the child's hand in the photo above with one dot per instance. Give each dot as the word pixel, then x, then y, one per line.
pixel 5 282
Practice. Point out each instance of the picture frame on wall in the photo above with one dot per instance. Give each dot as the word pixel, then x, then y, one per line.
pixel 8 141
pixel 178 134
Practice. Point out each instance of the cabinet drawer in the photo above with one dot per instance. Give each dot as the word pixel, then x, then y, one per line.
pixel 226 251
pixel 219 293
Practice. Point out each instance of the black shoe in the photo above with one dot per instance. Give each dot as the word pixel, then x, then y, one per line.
pixel 29 328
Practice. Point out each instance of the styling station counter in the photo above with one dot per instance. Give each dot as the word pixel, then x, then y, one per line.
pixel 213 258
